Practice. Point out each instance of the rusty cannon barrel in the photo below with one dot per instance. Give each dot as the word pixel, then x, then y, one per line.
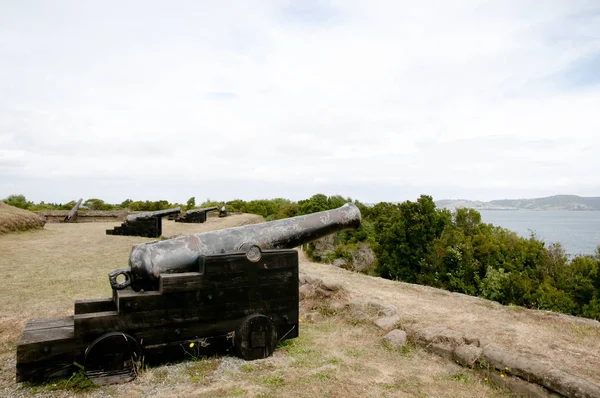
pixel 148 261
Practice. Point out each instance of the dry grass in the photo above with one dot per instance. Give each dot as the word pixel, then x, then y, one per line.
pixel 14 219
pixel 45 271
pixel 567 343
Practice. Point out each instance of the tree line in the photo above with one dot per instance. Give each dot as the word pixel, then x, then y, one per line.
pixel 416 242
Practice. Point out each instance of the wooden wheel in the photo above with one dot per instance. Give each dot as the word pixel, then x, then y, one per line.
pixel 112 358
pixel 255 337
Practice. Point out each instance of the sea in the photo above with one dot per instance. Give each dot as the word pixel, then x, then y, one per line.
pixel 577 231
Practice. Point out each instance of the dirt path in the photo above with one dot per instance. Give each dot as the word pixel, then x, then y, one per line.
pixel 568 343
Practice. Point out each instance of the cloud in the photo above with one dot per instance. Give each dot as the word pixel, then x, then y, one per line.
pixel 378 100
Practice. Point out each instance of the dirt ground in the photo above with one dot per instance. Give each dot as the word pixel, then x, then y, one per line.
pixel 44 271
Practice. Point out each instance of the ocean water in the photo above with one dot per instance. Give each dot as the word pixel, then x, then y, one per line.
pixel 577 231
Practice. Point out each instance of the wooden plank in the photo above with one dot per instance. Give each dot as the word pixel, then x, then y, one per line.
pixel 48 323
pixel 174 351
pixel 102 322
pixel 170 333
pixel 182 282
pixel 190 281
pixel 41 371
pixel 226 264
pixel 45 344
pixel 154 300
pixel 130 301
pixel 94 305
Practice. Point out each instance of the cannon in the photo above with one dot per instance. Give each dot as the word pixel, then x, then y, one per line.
pixel 233 290
pixel 147 224
pixel 195 215
pixel 148 261
pixel 73 212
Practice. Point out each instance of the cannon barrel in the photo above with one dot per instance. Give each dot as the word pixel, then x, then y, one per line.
pixel 148 261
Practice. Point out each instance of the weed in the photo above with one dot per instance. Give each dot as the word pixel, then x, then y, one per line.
pixel 237 392
pixel 160 375
pixel 199 370
pixel 77 382
pixel 272 381
pixel 585 330
pixel 247 368
pixel 459 377
pixel 486 304
pixel 515 308
pixel 354 353
pixel 321 376
pixel 193 349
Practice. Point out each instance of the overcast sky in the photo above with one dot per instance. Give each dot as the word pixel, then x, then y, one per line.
pixel 377 100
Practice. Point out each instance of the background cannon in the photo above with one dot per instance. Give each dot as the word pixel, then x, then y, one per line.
pixel 195 215
pixel 148 261
pixel 230 290
pixel 147 224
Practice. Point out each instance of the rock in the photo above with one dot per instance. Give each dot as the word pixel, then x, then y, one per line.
pixel 305 278
pixel 387 323
pixel 545 375
pixel 483 342
pixel 304 291
pixel 442 349
pixel 395 339
pixel 363 258
pixel 387 311
pixel 339 262
pixel 337 307
pixel 428 335
pixel 472 340
pixel 314 317
pixel 519 387
pixel 331 284
pixel 434 334
pixel 452 337
pixel 323 293
pixel 467 355
pixel 370 306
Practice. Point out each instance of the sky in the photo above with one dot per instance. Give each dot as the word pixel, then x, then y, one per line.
pixel 376 100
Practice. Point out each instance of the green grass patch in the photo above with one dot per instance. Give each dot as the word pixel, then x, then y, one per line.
pixel 272 381
pixel 354 353
pixel 198 371
pixel 236 392
pixel 458 377
pixel 247 368
pixel 78 382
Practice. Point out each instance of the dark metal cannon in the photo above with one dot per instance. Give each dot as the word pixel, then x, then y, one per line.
pixel 73 212
pixel 233 289
pixel 195 215
pixel 148 261
pixel 147 224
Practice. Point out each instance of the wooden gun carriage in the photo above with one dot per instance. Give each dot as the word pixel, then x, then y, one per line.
pixel 229 290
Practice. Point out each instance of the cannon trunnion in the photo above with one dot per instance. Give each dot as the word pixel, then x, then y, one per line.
pixel 233 302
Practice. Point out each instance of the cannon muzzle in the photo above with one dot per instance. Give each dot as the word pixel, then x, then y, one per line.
pixel 148 261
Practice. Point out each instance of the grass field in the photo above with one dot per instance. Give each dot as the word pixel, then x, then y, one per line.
pixel 44 271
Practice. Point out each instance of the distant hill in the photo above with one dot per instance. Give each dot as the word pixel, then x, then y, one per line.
pixel 557 202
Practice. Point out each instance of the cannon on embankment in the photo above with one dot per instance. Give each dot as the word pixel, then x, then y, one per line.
pixel 234 289
pixel 147 224
pixel 195 215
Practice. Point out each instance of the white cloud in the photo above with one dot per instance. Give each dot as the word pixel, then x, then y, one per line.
pixel 379 100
